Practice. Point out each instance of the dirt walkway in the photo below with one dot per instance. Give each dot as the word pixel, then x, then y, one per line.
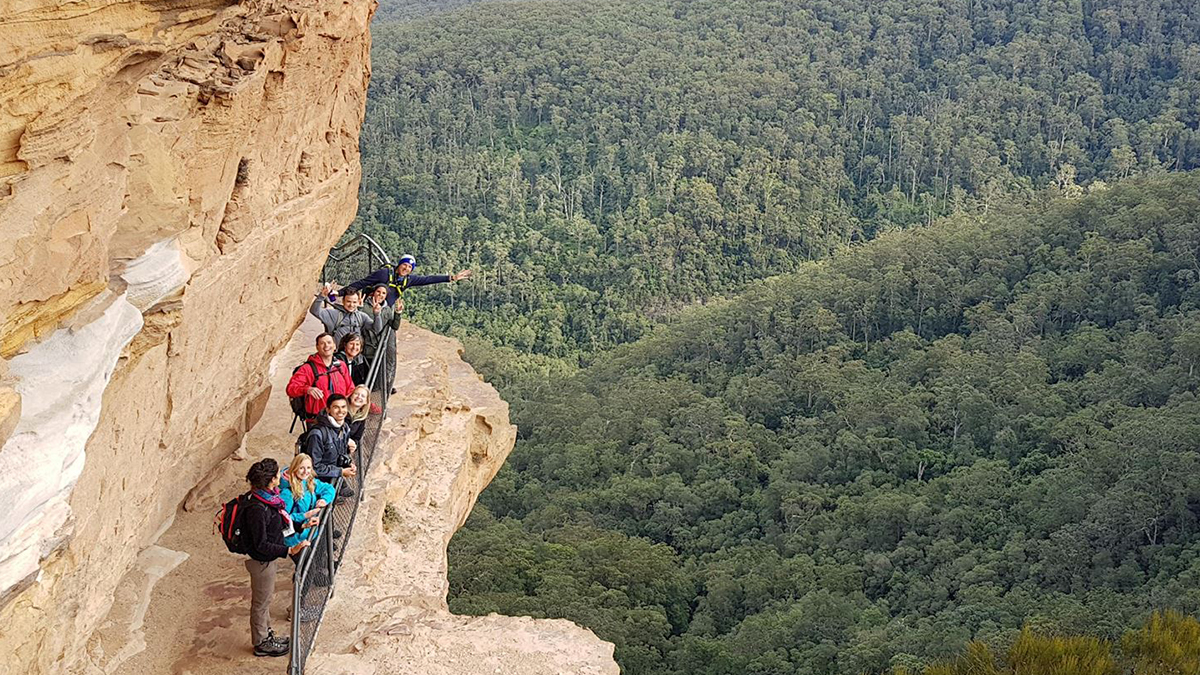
pixel 184 609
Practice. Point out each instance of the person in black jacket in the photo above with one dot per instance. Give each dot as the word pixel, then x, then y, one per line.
pixel 329 442
pixel 360 408
pixel 350 351
pixel 265 522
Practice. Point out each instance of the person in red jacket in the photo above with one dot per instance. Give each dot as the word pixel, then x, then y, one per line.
pixel 319 377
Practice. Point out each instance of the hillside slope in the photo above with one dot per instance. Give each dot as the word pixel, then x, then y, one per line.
pixel 931 438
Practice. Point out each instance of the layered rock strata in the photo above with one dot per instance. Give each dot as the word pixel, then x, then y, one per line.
pixel 171 175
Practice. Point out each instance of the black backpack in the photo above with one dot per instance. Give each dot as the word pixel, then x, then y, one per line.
pixel 298 401
pixel 228 522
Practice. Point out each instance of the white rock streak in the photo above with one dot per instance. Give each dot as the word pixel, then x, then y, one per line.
pixel 62 380
pixel 156 274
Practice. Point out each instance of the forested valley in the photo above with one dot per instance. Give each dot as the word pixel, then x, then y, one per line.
pixel 604 163
pixel 840 334
pixel 936 437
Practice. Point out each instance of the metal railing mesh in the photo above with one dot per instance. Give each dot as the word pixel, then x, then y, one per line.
pixel 316 571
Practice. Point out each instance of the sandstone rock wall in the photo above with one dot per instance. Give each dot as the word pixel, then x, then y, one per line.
pixel 171 175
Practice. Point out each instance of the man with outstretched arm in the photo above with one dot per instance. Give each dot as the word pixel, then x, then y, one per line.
pixel 401 277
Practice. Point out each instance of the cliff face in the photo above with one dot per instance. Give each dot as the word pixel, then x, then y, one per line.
pixel 447 435
pixel 171 176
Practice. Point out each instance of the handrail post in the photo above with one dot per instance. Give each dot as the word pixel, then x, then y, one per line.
pixel 329 537
pixel 297 588
pixel 386 389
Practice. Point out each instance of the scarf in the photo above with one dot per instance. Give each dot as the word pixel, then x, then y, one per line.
pixel 271 498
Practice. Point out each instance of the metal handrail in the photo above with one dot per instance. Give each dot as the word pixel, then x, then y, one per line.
pixel 304 580
pixel 383 256
pixel 376 256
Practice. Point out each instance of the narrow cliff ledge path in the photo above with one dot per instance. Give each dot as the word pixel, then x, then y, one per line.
pixel 184 608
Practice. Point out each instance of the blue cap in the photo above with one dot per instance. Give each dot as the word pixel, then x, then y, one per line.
pixel 407 259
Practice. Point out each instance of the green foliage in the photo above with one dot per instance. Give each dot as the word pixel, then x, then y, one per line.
pixel 1035 654
pixel 604 163
pixel 404 10
pixel 944 435
pixel 751 445
pixel 1032 654
pixel 1169 644
pixel 624 587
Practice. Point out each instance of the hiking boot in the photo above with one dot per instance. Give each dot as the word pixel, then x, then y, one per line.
pixel 285 640
pixel 272 646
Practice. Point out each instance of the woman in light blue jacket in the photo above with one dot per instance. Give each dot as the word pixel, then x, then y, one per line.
pixel 303 496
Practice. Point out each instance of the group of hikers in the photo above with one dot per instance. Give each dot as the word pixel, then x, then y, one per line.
pixel 281 514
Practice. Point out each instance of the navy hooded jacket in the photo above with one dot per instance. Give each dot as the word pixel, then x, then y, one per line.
pixel 384 276
pixel 324 443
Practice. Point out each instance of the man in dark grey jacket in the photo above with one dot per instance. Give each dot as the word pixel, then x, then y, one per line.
pixel 400 277
pixel 330 440
pixel 340 321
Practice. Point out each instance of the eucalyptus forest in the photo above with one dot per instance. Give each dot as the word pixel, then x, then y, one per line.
pixel 843 336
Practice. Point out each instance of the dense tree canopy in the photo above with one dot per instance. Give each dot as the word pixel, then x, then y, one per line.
pixel 936 437
pixel 390 11
pixel 840 333
pixel 605 162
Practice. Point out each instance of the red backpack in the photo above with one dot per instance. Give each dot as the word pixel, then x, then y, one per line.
pixel 228 522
